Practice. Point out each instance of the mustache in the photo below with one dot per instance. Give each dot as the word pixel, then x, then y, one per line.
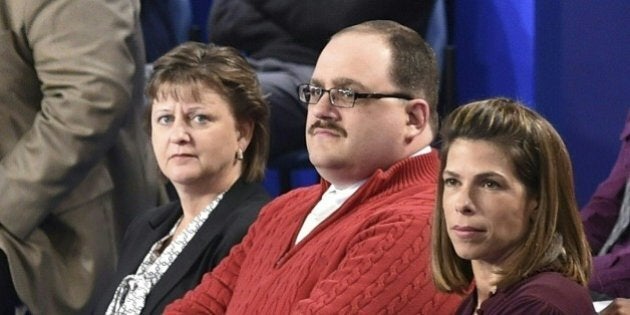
pixel 327 124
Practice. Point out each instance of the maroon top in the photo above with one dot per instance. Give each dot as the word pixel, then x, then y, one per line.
pixel 611 272
pixel 543 293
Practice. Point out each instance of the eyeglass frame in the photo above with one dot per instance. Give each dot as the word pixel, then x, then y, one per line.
pixel 356 95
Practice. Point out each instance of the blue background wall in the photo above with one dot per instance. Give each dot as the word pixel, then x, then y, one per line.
pixel 495 49
pixel 566 59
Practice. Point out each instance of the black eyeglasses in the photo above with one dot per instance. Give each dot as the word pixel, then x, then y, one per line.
pixel 311 94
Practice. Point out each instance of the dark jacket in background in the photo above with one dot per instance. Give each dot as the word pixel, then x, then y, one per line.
pixel 297 30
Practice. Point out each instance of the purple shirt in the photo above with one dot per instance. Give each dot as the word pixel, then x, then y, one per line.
pixel 543 293
pixel 611 272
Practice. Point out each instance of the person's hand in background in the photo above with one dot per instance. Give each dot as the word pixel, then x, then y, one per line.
pixel 619 306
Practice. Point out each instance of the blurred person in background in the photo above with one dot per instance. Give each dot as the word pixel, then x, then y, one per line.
pixel 606 220
pixel 75 163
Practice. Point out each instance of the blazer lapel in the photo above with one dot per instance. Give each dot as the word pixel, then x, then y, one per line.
pixel 200 242
pixel 148 233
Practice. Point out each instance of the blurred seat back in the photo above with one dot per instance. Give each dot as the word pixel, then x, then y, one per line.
pixel 165 24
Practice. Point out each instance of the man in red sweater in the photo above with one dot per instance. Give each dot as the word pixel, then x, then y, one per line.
pixel 359 241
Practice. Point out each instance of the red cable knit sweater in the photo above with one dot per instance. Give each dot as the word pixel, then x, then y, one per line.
pixel 371 256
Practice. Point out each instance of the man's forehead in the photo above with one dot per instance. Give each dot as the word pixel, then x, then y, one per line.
pixel 359 33
pixel 337 82
pixel 350 61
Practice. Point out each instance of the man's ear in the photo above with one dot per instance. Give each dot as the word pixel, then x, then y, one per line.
pixel 418 112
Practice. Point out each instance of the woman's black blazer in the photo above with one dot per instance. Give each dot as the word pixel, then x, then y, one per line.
pixel 224 228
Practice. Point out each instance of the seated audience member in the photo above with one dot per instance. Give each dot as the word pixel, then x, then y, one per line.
pixel 359 241
pixel 506 218
pixel 210 137
pixel 282 39
pixel 606 219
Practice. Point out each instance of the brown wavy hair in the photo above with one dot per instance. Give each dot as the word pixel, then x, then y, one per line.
pixel 555 240
pixel 190 68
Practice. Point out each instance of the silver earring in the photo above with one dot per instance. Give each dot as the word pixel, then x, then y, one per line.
pixel 239 154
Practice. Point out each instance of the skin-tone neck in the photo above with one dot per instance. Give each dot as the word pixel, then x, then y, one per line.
pixel 485 279
pixel 342 179
pixel 194 197
pixel 418 135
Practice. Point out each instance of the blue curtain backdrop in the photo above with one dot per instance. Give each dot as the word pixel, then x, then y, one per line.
pixel 567 59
